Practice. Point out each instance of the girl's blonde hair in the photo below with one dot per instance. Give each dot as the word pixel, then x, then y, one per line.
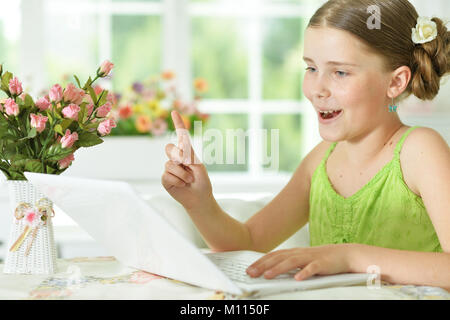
pixel 429 62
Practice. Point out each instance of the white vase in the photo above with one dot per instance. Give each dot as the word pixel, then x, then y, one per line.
pixel 36 254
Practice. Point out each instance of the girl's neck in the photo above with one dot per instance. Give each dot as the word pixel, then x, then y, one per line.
pixel 363 149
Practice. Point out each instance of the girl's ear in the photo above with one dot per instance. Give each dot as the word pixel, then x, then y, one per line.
pixel 399 81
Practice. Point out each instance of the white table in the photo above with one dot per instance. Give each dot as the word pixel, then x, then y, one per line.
pixel 105 278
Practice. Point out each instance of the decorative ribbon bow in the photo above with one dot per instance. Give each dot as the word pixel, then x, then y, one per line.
pixel 34 218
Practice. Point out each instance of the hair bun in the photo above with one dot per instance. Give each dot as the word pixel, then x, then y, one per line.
pixel 430 62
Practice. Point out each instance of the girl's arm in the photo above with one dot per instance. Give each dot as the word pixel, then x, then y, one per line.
pixel 427 160
pixel 187 181
pixel 401 266
pixel 270 226
pixel 427 157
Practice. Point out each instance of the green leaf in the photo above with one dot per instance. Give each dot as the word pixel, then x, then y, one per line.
pixel 34 165
pixel 15 175
pixel 87 84
pixel 102 98
pixel 28 102
pixel 92 93
pixel 58 129
pixel 18 165
pixel 78 81
pixel 5 134
pixel 65 124
pixel 50 169
pixel 18 157
pixel 5 81
pixel 4 165
pixel 9 150
pixel 91 125
pixel 87 139
pixel 50 118
pixel 81 113
pixel 32 133
pixel 56 152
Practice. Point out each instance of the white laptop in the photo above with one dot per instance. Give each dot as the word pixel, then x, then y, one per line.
pixel 138 236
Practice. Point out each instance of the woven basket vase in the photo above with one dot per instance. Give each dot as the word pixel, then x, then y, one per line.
pixel 41 258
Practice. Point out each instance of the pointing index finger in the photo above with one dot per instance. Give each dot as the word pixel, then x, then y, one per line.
pixel 180 128
pixel 177 121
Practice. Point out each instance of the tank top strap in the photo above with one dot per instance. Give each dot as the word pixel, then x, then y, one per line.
pixel 399 145
pixel 330 149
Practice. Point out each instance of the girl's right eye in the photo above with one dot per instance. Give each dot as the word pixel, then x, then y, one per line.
pixel 310 69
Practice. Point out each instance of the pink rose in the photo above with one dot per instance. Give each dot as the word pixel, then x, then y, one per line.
pixel 11 107
pixel 69 139
pixel 105 127
pixel 73 94
pixel 159 127
pixel 98 89
pixel 71 111
pixel 55 93
pixel 89 109
pixel 111 97
pixel 38 121
pixel 43 104
pixel 64 163
pixel 15 87
pixel 104 110
pixel 105 68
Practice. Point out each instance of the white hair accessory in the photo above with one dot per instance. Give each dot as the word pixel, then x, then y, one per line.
pixel 425 30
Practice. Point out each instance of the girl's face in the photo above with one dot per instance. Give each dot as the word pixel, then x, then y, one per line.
pixel 346 80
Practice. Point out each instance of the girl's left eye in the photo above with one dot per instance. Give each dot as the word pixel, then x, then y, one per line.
pixel 342 73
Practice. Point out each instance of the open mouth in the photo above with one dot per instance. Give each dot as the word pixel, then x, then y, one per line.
pixel 329 114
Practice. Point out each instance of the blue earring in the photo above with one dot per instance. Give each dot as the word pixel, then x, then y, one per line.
pixel 392 107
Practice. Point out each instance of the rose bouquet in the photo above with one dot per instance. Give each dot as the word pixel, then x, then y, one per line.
pixel 145 108
pixel 43 135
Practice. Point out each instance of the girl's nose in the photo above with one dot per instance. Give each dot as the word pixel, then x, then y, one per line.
pixel 320 88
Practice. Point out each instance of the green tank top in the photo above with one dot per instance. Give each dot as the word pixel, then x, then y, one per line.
pixel 383 213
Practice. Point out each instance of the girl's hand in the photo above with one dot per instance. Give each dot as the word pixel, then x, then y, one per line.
pixel 321 260
pixel 185 178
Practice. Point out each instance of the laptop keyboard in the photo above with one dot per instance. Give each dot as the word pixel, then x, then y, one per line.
pixel 235 269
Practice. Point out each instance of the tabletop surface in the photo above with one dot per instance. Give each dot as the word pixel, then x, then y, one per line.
pixel 104 278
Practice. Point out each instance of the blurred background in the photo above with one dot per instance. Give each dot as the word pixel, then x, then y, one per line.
pixel 247 52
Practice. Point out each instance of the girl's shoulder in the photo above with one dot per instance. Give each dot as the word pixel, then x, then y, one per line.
pixel 421 140
pixel 315 156
pixel 423 147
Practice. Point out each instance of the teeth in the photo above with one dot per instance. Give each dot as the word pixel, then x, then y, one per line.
pixel 327 112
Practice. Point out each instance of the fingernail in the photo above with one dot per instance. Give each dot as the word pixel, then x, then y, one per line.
pixel 268 273
pixel 252 270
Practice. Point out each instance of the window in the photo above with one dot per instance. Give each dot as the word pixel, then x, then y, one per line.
pixel 248 51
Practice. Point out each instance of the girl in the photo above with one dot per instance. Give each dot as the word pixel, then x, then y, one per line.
pixel 375 191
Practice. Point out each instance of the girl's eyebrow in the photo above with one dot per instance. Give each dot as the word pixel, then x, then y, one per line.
pixel 337 63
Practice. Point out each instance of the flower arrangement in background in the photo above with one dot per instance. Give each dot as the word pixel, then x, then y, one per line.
pixel 145 108
pixel 42 136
